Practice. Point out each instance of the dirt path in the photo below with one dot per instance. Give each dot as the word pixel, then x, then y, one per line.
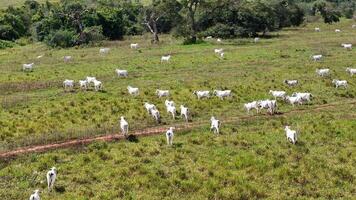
pixel 160 130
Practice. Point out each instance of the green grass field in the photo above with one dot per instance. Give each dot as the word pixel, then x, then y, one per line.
pixel 250 160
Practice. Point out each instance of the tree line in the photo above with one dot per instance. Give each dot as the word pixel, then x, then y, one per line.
pixel 75 22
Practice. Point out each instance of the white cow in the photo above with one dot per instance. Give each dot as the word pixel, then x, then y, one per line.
pixel 40 56
pixel 68 84
pixel 83 84
pixel 215 125
pixel 337 30
pixel 222 54
pixel 134 46
pixel 98 85
pixel 353 26
pixel 67 58
pixel 133 91
pixel 291 135
pixel 184 111
pixel 169 135
pixel 104 50
pixel 218 51
pixel 278 94
pixel 169 103
pixel 51 178
pixel 165 58
pixel 124 126
pixel 317 57
pixel 256 39
pixel 150 107
pixel 270 105
pixel 317 29
pixel 202 94
pixel 323 72
pixel 209 37
pixel 347 46
pixel 222 93
pixel 351 71
pixel 162 93
pixel 294 100
pixel 340 83
pixel 121 73
pixel 35 195
pixel 155 114
pixel 172 109
pixel 28 67
pixel 90 79
pixel 252 105
pixel 218 40
pixel 306 96
pixel 291 82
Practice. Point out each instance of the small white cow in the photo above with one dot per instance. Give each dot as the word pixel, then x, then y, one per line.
pixel 169 135
pixel 169 103
pixel 98 85
pixel 222 54
pixel 162 93
pixel 337 30
pixel 270 105
pixel 28 67
pixel 121 73
pixel 83 84
pixel 351 71
pixel 150 107
pixel 294 100
pixel 347 46
pixel 90 79
pixel 317 57
pixel 256 39
pixel 104 50
pixel 278 94
pixel 209 37
pixel 40 56
pixel 291 83
pixel 340 83
pixel 156 116
pixel 35 195
pixel 68 84
pixel 67 58
pixel 134 46
pixel 306 96
pixel 165 58
pixel 172 109
pixel 222 93
pixel 252 105
pixel 291 135
pixel 124 126
pixel 218 40
pixel 133 91
pixel 317 29
pixel 322 72
pixel 215 125
pixel 51 178
pixel 202 94
pixel 184 111
pixel 218 51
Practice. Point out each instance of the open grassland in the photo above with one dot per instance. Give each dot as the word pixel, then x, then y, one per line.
pixel 36 109
pixel 251 159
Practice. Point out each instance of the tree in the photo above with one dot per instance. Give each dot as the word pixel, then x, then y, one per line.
pixel 190 8
pixel 327 11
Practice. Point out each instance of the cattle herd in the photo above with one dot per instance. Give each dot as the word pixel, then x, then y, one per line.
pixel 297 98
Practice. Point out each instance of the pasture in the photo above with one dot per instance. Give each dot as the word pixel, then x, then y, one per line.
pixel 251 158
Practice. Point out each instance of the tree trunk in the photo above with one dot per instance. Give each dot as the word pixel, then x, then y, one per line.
pixel 193 25
pixel 155 32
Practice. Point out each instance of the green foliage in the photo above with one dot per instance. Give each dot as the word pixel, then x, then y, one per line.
pixel 111 20
pixel 62 38
pixel 6 44
pixel 329 14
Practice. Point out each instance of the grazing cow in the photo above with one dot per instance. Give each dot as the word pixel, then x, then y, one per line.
pixel 291 83
pixel 90 79
pixel 169 136
pixel 133 91
pixel 68 84
pixel 291 135
pixel 184 111
pixel 317 29
pixel 150 107
pixel 340 83
pixel 303 96
pixel 270 105
pixel 172 109
pixel 256 39
pixel 104 50
pixel 202 94
pixel 351 71
pixel 121 73
pixel 165 58
pixel 317 57
pixel 35 195
pixel 278 94
pixel 98 85
pixel 218 40
pixel 294 100
pixel 252 105
pixel 353 26
pixel 322 72
pixel 155 114
pixel 124 126
pixel 40 56
pixel 337 30
pixel 215 125
pixel 222 54
pixel 134 46
pixel 169 103
pixel 162 93
pixel 218 51
pixel 28 67
pixel 347 46
pixel 222 93
pixel 209 37
pixel 83 84
pixel 51 178
pixel 67 58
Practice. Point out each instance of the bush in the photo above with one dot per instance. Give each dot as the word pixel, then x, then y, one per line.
pixel 221 31
pixel 7 32
pixel 62 38
pixel 5 44
pixel 91 35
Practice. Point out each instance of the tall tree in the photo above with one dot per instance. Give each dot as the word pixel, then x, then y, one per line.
pixel 190 8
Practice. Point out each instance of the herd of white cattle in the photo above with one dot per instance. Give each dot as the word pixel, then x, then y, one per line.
pixel 297 98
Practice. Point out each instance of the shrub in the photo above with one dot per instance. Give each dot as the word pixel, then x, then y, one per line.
pixel 91 35
pixel 7 32
pixel 5 44
pixel 62 38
